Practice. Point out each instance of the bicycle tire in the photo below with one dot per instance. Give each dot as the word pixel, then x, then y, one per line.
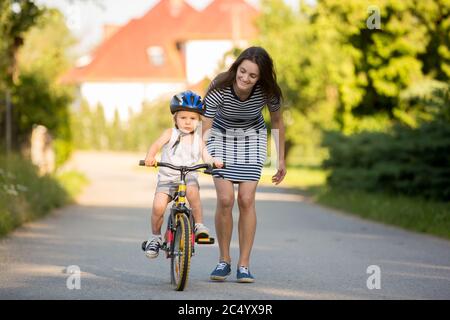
pixel 180 260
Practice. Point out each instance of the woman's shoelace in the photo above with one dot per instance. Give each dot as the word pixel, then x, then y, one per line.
pixel 221 266
pixel 243 270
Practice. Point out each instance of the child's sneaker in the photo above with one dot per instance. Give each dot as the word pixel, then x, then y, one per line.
pixel 201 231
pixel 244 275
pixel 152 247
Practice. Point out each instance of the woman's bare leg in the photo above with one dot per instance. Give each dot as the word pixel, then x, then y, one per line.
pixel 224 216
pixel 247 220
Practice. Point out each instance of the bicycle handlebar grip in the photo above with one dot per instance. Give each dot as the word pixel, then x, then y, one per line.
pixel 142 163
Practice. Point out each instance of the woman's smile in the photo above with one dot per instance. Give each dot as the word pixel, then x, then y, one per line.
pixel 242 83
pixel 247 75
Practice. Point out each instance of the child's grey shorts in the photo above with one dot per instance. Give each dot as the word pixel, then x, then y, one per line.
pixel 171 187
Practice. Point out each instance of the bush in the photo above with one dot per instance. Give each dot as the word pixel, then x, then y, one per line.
pixel 94 131
pixel 24 195
pixel 407 161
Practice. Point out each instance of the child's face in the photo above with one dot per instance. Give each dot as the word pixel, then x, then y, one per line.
pixel 187 121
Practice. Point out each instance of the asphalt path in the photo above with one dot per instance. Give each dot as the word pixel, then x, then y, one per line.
pixel 301 250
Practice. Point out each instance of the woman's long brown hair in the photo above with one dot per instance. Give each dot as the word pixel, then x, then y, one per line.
pixel 267 75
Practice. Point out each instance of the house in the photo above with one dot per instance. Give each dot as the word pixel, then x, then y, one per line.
pixel 170 48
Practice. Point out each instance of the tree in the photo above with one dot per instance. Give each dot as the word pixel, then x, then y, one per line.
pixel 16 17
pixel 38 96
pixel 411 45
pixel 330 61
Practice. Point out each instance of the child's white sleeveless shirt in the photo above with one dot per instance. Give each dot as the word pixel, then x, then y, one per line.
pixel 184 154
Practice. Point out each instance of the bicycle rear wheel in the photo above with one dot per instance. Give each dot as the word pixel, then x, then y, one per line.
pixel 181 253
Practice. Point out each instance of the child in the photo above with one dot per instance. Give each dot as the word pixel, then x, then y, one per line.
pixel 181 145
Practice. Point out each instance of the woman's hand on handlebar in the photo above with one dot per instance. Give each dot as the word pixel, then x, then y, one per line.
pixel 217 163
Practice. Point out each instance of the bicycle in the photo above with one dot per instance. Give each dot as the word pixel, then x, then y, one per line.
pixel 179 239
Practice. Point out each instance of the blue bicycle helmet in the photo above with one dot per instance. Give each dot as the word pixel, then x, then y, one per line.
pixel 187 101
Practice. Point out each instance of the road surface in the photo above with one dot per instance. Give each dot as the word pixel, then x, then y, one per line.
pixel 301 250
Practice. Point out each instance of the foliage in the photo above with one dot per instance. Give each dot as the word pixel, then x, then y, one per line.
pixel 16 17
pixel 72 181
pixel 337 74
pixel 424 101
pixel 408 161
pixel 412 213
pixel 38 97
pixel 36 101
pixel 24 195
pixel 142 129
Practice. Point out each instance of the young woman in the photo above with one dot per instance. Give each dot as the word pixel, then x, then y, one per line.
pixel 238 136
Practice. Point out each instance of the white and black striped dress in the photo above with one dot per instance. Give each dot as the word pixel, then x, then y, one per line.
pixel 238 133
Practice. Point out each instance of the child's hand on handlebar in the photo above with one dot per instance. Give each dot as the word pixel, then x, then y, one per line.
pixel 150 161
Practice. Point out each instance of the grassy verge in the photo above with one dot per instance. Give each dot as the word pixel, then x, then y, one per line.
pixel 420 215
pixel 73 182
pixel 414 214
pixel 25 196
pixel 302 178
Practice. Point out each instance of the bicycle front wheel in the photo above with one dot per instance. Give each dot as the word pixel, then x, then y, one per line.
pixel 181 253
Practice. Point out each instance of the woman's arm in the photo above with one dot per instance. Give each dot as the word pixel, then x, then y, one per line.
pixel 276 119
pixel 206 127
pixel 207 158
pixel 156 146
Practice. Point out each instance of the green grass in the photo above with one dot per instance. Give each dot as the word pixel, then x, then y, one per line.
pixel 73 182
pixel 416 214
pixel 25 196
pixel 297 177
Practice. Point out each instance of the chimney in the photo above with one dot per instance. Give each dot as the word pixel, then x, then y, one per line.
pixel 175 7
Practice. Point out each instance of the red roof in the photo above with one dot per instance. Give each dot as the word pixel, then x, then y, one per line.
pixel 224 19
pixel 123 56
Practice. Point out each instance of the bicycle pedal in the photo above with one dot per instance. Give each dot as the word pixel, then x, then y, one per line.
pixel 205 240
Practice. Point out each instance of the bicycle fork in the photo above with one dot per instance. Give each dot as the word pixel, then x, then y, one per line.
pixel 169 235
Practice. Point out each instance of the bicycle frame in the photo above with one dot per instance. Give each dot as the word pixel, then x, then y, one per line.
pixel 179 240
pixel 180 207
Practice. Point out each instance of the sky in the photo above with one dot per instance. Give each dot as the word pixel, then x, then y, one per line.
pixel 86 17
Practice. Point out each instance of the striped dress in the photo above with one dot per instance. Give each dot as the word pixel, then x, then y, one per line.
pixel 238 134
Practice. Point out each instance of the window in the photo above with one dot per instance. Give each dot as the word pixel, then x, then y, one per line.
pixel 156 55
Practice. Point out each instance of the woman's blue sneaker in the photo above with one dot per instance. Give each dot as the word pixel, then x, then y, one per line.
pixel 244 275
pixel 221 272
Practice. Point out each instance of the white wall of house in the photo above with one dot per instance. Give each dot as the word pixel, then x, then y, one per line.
pixel 124 96
pixel 203 58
